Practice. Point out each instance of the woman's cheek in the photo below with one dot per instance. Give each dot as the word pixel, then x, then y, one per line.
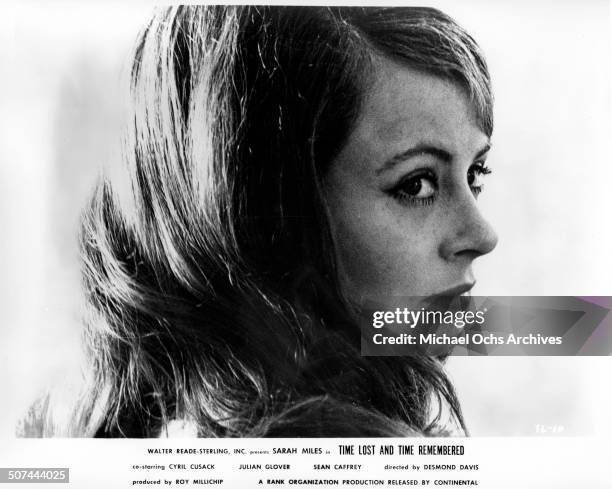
pixel 377 259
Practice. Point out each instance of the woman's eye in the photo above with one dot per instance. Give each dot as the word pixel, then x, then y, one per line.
pixel 475 177
pixel 416 190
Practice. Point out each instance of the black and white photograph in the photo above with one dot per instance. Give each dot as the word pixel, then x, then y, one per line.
pixel 202 205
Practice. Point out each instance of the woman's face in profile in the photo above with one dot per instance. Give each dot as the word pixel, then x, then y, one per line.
pixel 403 191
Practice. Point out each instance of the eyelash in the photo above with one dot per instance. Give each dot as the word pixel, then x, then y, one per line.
pixel 479 169
pixel 399 191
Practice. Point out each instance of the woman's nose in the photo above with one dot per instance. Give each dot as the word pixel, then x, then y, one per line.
pixel 469 235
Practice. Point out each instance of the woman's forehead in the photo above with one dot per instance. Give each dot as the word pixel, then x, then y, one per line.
pixel 404 106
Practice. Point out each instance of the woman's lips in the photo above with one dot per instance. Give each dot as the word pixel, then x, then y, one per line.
pixel 456 290
pixel 454 298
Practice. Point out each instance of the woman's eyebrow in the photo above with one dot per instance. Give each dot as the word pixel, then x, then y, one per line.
pixel 424 149
pixel 483 151
pixel 419 149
